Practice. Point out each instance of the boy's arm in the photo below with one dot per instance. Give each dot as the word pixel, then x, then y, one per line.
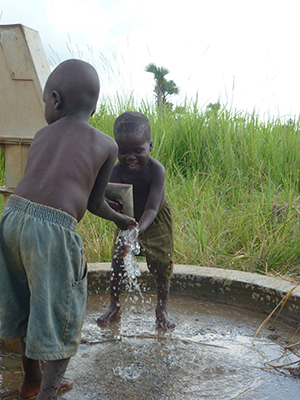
pixel 115 176
pixel 97 204
pixel 156 193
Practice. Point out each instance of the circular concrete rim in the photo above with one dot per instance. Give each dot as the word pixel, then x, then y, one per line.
pixel 244 289
pixel 247 290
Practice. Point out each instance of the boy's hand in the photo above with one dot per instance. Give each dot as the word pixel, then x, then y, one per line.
pixel 124 222
pixel 123 249
pixel 115 204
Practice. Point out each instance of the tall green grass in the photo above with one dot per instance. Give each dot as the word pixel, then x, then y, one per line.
pixel 232 182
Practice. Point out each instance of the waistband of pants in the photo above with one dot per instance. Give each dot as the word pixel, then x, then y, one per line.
pixel 42 212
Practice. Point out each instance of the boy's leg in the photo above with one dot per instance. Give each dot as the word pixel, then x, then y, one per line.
pixel 116 280
pixel 53 375
pixel 163 321
pixel 158 243
pixel 32 374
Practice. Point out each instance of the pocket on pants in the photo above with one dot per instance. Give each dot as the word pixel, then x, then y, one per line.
pixel 77 307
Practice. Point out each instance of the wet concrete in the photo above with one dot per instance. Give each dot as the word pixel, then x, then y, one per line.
pixel 209 355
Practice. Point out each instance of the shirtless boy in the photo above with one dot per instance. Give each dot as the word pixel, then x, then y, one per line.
pixel 132 133
pixel 42 266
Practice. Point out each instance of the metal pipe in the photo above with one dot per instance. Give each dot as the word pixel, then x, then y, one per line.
pixel 123 193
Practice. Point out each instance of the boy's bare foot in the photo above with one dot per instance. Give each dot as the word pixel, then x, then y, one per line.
pixel 163 320
pixel 113 312
pixel 28 390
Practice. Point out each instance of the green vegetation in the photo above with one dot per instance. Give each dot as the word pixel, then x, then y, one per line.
pixel 233 185
pixel 232 182
pixel 163 88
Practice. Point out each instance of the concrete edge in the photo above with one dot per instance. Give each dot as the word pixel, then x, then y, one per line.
pixel 243 289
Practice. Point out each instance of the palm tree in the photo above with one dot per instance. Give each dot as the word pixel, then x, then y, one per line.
pixel 163 88
pixel 213 108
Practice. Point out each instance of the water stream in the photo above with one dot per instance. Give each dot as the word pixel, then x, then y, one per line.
pixel 128 239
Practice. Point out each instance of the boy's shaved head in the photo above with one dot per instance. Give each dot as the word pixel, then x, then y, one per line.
pixel 78 84
pixel 133 122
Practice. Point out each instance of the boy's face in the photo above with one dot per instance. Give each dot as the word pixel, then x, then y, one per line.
pixel 133 152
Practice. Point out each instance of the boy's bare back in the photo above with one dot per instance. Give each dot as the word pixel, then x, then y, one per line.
pixel 63 164
pixel 69 161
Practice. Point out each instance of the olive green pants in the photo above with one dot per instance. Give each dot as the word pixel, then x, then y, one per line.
pixel 157 245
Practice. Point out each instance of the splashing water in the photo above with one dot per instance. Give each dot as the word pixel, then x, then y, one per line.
pixel 129 240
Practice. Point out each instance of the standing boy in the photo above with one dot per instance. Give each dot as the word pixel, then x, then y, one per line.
pixel 132 133
pixel 43 271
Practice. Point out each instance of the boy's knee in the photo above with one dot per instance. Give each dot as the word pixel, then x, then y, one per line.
pixel 161 272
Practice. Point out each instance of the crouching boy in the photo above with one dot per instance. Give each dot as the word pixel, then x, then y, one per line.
pixel 132 133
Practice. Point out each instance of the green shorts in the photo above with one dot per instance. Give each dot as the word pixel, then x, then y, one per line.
pixel 157 245
pixel 43 285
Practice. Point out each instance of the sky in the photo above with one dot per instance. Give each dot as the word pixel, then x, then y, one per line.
pixel 244 54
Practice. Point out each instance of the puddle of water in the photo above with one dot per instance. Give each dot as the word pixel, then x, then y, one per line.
pixel 209 355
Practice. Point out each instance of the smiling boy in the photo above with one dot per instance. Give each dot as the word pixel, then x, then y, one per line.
pixel 132 133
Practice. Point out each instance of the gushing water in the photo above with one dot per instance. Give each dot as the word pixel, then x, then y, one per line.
pixel 129 240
